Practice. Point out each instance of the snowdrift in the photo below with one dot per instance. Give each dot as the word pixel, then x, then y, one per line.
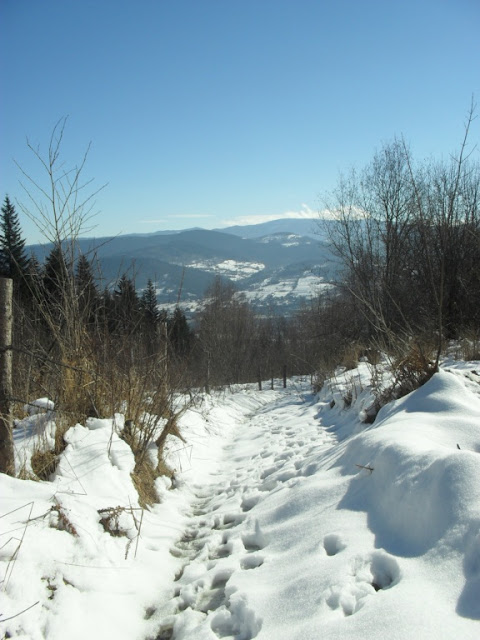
pixel 288 519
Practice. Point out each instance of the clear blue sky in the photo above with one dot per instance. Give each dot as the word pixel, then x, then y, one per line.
pixel 204 112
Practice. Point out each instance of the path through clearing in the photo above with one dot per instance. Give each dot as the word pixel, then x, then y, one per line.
pixel 226 544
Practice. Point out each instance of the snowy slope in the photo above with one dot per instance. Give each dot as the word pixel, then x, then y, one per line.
pixel 187 262
pixel 287 519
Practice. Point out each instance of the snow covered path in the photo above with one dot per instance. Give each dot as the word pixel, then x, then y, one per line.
pixel 282 543
pixel 289 519
pixel 219 586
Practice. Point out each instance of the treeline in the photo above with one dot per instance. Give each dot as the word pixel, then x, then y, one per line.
pixel 407 234
pixel 70 331
pixel 63 315
pixel 408 238
pixel 95 350
pixel 65 321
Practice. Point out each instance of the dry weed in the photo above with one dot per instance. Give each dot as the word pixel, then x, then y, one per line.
pixel 60 520
pixel 43 463
pixel 143 477
pixel 470 346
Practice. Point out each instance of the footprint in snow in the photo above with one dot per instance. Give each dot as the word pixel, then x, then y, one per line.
pixel 333 544
pixel 214 597
pixel 227 521
pixel 370 574
pixel 213 606
pixel 249 501
pixel 270 470
pixel 236 620
pixel 254 541
pixel 283 456
pixel 252 561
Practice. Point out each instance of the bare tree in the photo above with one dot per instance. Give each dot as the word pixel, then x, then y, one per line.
pixel 62 208
pixel 408 237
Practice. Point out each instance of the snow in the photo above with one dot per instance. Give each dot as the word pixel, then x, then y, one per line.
pixel 287 518
pixel 41 405
pixel 305 286
pixel 233 269
pixel 285 239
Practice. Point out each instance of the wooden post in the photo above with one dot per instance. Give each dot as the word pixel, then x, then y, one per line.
pixel 7 463
pixel 284 376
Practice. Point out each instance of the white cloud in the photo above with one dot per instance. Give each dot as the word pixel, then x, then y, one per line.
pixel 191 215
pixel 305 213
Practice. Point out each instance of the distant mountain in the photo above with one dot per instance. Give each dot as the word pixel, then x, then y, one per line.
pixel 279 263
pixel 308 227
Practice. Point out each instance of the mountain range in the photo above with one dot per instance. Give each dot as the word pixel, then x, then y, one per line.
pixel 275 264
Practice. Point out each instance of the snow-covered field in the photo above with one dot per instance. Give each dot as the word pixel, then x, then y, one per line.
pixel 233 269
pixel 306 286
pixel 285 239
pixel 287 519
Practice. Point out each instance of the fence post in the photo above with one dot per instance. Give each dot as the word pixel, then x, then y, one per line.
pixel 7 463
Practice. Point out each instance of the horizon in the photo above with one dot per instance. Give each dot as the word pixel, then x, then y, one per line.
pixel 286 217
pixel 213 114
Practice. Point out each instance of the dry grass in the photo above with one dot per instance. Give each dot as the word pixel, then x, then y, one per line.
pixel 62 425
pixel 414 368
pixel 60 520
pixel 91 374
pixel 110 521
pixel 412 364
pixel 350 356
pixel 43 463
pixel 470 346
pixel 143 477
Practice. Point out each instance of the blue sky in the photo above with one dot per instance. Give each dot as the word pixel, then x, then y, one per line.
pixel 211 112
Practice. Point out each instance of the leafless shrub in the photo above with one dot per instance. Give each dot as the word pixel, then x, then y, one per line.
pixel 408 235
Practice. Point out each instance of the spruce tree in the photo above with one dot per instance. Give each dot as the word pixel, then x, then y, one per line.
pixel 180 334
pixel 127 305
pixel 148 304
pixel 35 278
pixel 55 276
pixel 86 289
pixel 13 259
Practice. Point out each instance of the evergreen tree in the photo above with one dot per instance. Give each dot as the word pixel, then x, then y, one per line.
pixel 35 278
pixel 86 289
pixel 106 312
pixel 55 276
pixel 125 292
pixel 180 334
pixel 127 305
pixel 148 304
pixel 13 259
